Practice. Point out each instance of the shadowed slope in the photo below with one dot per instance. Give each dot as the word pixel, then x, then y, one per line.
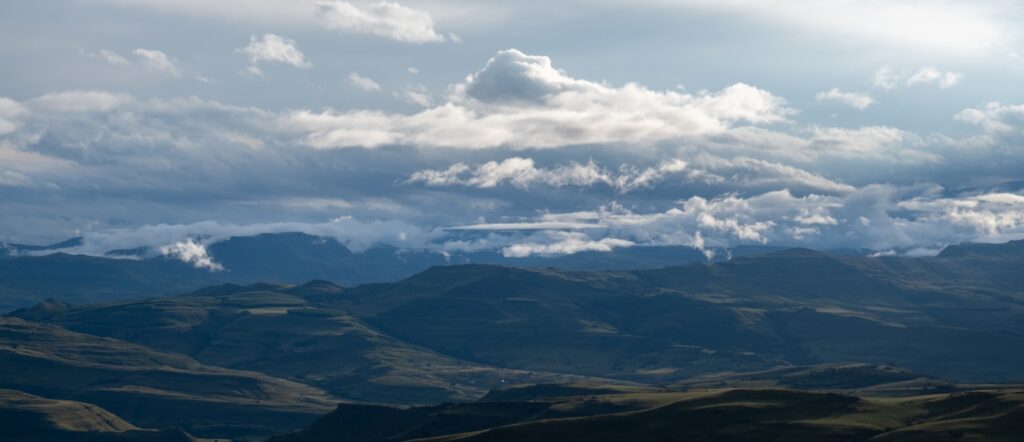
pixel 147 387
pixel 29 418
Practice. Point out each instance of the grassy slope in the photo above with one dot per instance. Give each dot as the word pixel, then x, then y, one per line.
pixel 26 417
pixel 610 413
pixel 148 387
pixel 283 332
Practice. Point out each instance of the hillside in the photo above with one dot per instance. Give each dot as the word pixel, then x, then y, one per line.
pixel 286 332
pixel 738 415
pixel 29 418
pixel 149 388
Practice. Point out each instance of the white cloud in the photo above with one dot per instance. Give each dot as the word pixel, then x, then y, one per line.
pixel 191 252
pixel 995 118
pixel 79 101
pixel 364 83
pixel 521 101
pixel 929 75
pixel 271 48
pixel 877 217
pixel 885 78
pixel 417 95
pixel 113 57
pixel 10 113
pixel 888 79
pixel 856 100
pixel 157 61
pixel 563 243
pixel 712 170
pixel 383 19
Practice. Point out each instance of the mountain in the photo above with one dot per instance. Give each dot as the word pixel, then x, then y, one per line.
pixel 285 331
pixel 597 413
pixel 12 249
pixel 30 274
pixel 787 345
pixel 29 418
pixel 453 332
pixel 150 388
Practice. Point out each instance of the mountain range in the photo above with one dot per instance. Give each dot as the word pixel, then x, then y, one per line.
pixel 30 274
pixel 799 344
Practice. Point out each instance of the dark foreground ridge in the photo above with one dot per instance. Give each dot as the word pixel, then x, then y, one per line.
pixel 600 413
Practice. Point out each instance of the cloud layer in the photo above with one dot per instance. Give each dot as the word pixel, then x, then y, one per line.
pixel 518 156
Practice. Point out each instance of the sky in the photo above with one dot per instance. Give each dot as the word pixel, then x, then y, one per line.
pixel 529 128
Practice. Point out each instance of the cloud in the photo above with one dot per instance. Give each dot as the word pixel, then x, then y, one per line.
pixel 943 26
pixel 888 79
pixel 995 118
pixel 157 61
pixel 563 243
pixel 856 100
pixel 929 75
pixel 383 19
pixel 364 83
pixel 522 173
pixel 885 78
pixel 192 253
pixel 113 57
pixel 10 113
pixel 417 95
pixel 711 170
pixel 521 101
pixel 877 217
pixel 273 48
pixel 79 101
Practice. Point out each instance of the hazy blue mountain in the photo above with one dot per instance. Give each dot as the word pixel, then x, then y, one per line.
pixel 952 317
pixel 289 258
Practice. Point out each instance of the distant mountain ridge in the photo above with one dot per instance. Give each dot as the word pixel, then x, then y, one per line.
pixel 30 274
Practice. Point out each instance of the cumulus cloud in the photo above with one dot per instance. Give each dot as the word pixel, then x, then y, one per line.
pixel 272 48
pixel 383 19
pixel 710 170
pixel 364 83
pixel 930 75
pixel 856 100
pixel 157 61
pixel 521 101
pixel 887 78
pixel 877 217
pixel 563 243
pixel 522 173
pixel 100 163
pixel 192 253
pixel 995 118
pixel 10 113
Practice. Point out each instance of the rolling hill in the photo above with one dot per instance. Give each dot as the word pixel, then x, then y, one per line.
pixel 286 332
pixel 29 418
pixel 150 388
pixel 598 413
